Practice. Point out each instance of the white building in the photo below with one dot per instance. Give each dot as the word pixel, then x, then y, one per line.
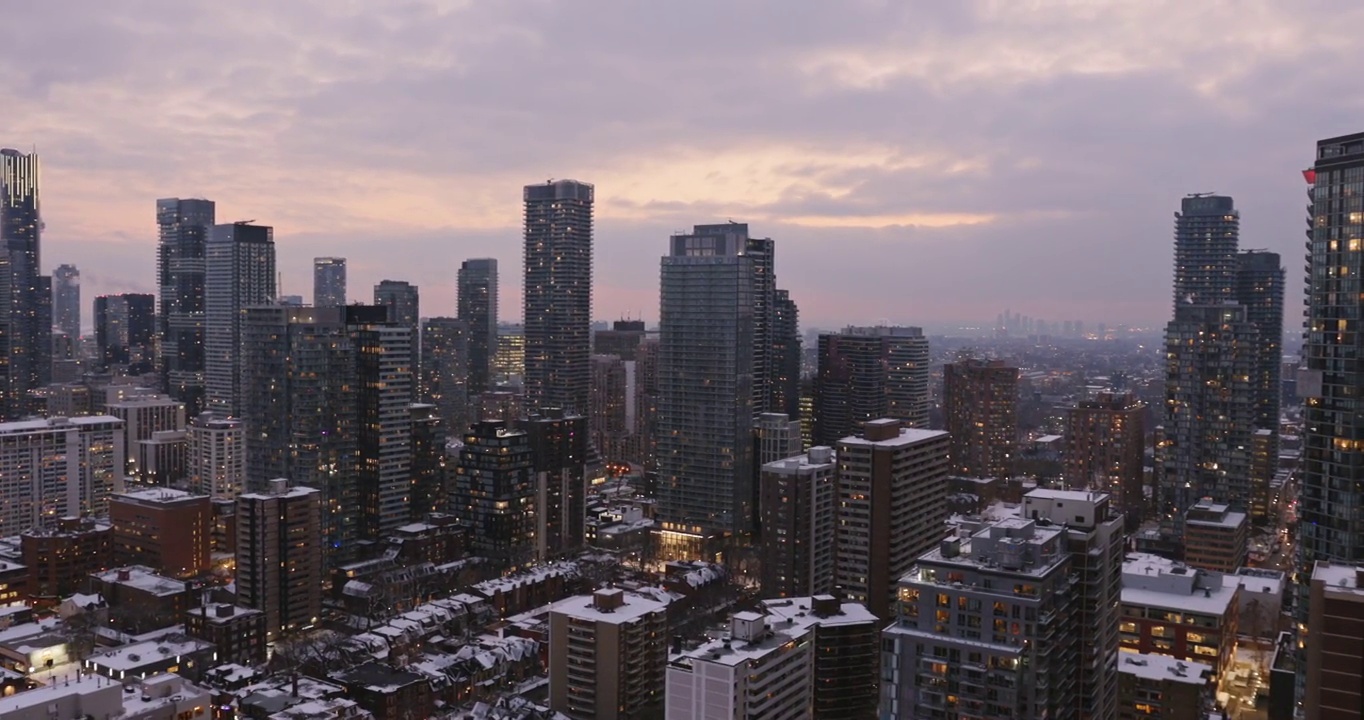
pixel 58 467
pixel 607 651
pixel 216 461
pixel 143 416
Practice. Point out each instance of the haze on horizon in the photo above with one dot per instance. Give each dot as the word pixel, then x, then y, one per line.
pixel 923 163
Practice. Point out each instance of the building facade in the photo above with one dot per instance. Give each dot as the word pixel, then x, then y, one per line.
pixel 125 332
pixel 980 401
pixel 66 300
pixel 558 445
pixel 279 556
pixel 558 294
pixel 607 654
pixel 183 226
pixel 445 374
pixel 866 373
pixel 495 492
pixel 329 281
pixel 26 342
pixel 1335 675
pixel 56 468
pixel 1106 450
pixel 798 507
pixel 164 529
pixel 215 460
pixel 239 272
pixel 477 309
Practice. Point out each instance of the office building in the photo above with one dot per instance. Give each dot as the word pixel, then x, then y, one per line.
pixel 477 309
pixel 445 371
pixel 402 300
pixel 992 610
pixel 1330 526
pixel 329 281
pixel 142 417
pixel 1185 613
pixel 1159 686
pixel 26 340
pixel 60 554
pixel 1095 541
pixel 66 300
pixel 383 353
pixel 279 556
pixel 183 227
pixel 216 456
pixel 1209 413
pixel 798 509
pixel 1106 448
pixel 866 373
pixel 607 654
pixel 558 294
pixel 125 332
pixel 1215 536
pixel 558 445
pixel 58 467
pixel 239 272
pixel 495 493
pixel 892 503
pixel 705 383
pixel 167 530
pixel 809 657
pixel 1335 670
pixel 980 401
pixel 784 388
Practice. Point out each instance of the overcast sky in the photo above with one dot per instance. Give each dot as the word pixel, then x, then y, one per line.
pixel 917 162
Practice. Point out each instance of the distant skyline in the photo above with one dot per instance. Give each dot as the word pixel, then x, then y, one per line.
pixel 927 164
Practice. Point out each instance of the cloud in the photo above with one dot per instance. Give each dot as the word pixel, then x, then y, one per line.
pixel 921 162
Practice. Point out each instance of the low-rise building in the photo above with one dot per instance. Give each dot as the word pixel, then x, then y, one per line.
pixel 140 600
pixel 169 654
pixel 1169 608
pixel 1261 601
pixel 1215 536
pixel 388 693
pixel 61 556
pixel 1159 686
pixel 237 632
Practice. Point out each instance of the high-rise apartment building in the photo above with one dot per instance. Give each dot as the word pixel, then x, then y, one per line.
pixel 798 507
pixel 607 654
pixel 646 404
pixel 142 417
pixel 477 309
pixel 239 272
pixel 66 300
pixel 1105 450
pixel 494 491
pixel 279 556
pixel 775 437
pixel 558 445
pixel 164 529
pixel 26 332
pixel 329 281
pixel 622 340
pixel 1260 290
pixel 58 467
pixel 509 362
pixel 784 390
pixel 125 331
pixel 705 383
pixel 762 253
pixel 428 461
pixel 216 457
pixel 383 354
pixel 402 300
pixel 183 227
pixel 1335 613
pixel 558 294
pixel 1095 541
pixel 1215 536
pixel 986 628
pixel 1330 526
pixel 1207 232
pixel 980 400
pixel 445 370
pixel 866 373
pixel 892 503
pixel 611 407
pixel 808 657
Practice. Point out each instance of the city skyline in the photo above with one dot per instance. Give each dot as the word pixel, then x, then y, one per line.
pixel 853 140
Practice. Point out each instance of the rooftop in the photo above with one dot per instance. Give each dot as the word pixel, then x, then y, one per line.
pixel 51 694
pixel 55 423
pixel 634 605
pixel 140 655
pixel 1154 581
pixel 142 578
pixel 1260 580
pixel 220 613
pixel 1163 667
pixel 1340 578
pixel 156 495
pixel 908 436
pixel 378 678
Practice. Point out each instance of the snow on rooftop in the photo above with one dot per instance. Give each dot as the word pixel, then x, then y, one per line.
pixel 1339 578
pixel 1163 667
pixel 908 436
pixel 634 606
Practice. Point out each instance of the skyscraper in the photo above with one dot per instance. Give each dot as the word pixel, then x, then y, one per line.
pixel 239 272
pixel 27 329
pixel 1330 525
pixel 1207 230
pixel 216 460
pixel 58 467
pixel 558 294
pixel 980 399
pixel 183 228
pixel 279 556
pixel 445 371
pixel 66 300
pixel 1105 449
pixel 784 389
pixel 384 382
pixel 1259 289
pixel 125 331
pixel 798 504
pixel 477 299
pixel 495 493
pixel 558 445
pixel 762 252
pixel 705 381
pixel 867 373
pixel 329 281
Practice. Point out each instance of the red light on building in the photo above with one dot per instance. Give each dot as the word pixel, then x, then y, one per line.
pixel 1310 176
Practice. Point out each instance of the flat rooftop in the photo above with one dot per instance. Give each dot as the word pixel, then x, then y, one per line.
pixel 1157 668
pixel 1339 578
pixel 908 436
pixel 635 606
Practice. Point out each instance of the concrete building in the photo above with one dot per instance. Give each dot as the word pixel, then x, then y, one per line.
pixel 612 406
pixel 279 556
pixel 775 437
pixel 1171 609
pixel 161 459
pixel 60 555
pixel 142 416
pixel 558 294
pixel 795 658
pixel 1215 536
pixel 215 460
pixel 239 272
pixel 607 654
pixel 787 357
pixel 980 400
pixel 1159 686
pixel 798 507
pixel 1260 290
pixel 1335 665
pixel 986 627
pixel 56 468
pixel 477 301
pixel 1095 540
pixel 329 281
pixel 866 373
pixel 140 599
pixel 892 505
pixel 237 633
pixel 1105 447
pixel 183 227
pixel 385 358
pixel 167 530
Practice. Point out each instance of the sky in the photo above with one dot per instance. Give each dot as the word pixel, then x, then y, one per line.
pixel 916 162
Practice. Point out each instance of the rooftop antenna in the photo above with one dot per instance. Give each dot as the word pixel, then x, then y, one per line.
pixel 1202 194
